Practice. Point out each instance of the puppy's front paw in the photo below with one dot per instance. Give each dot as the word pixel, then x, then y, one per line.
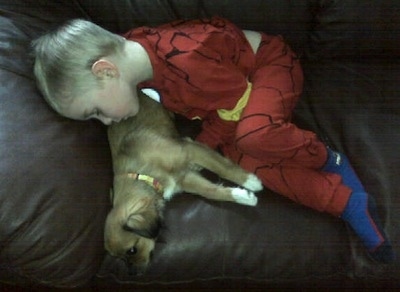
pixel 244 197
pixel 169 192
pixel 253 183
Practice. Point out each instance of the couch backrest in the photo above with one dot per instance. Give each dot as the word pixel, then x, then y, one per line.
pixel 290 18
pixel 321 28
pixel 356 29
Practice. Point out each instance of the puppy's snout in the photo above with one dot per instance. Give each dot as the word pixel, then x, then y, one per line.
pixel 134 270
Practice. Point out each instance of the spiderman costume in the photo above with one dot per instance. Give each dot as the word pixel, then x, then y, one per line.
pixel 204 66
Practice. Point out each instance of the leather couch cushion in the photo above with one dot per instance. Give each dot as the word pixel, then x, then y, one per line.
pixel 55 173
pixel 207 240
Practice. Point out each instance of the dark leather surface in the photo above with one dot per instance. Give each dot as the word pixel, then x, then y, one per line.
pixel 55 174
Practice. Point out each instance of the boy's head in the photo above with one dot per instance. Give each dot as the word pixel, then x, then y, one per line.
pixel 66 60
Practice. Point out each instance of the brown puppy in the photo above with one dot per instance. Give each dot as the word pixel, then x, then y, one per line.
pixel 152 163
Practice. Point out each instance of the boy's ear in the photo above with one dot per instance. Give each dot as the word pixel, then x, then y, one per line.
pixel 104 68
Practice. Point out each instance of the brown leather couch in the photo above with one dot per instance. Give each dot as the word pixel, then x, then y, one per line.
pixel 56 173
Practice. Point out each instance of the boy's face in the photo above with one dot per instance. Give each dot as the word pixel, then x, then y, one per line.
pixel 116 102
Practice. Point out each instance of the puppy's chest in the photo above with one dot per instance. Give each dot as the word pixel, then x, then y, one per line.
pixel 154 152
pixel 160 167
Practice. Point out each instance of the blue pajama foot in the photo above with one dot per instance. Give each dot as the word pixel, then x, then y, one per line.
pixel 361 214
pixel 360 211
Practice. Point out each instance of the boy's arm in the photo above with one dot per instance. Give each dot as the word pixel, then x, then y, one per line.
pixel 216 132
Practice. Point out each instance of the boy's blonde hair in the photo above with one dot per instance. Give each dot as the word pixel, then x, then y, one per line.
pixel 64 58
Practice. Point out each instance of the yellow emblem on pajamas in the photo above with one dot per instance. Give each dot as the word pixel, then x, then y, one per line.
pixel 235 113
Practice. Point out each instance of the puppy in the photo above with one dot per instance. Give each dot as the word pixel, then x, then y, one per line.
pixel 151 163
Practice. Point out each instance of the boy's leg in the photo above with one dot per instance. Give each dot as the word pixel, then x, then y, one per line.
pixel 324 192
pixel 265 129
pixel 292 158
pixel 320 191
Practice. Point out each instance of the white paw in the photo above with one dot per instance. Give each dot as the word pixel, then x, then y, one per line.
pixel 169 192
pixel 253 183
pixel 244 197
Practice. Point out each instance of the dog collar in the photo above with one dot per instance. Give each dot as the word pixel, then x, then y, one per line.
pixel 151 181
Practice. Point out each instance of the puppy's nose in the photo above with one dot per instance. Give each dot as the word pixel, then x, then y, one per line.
pixel 131 269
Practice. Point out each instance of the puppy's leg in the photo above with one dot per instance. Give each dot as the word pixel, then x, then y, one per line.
pixel 194 183
pixel 225 168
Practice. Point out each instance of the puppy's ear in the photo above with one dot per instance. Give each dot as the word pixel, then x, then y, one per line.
pixel 143 224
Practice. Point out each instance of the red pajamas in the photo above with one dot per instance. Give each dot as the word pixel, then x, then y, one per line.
pixel 202 66
pixel 287 159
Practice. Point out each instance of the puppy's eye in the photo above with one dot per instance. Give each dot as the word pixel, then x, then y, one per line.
pixel 131 252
